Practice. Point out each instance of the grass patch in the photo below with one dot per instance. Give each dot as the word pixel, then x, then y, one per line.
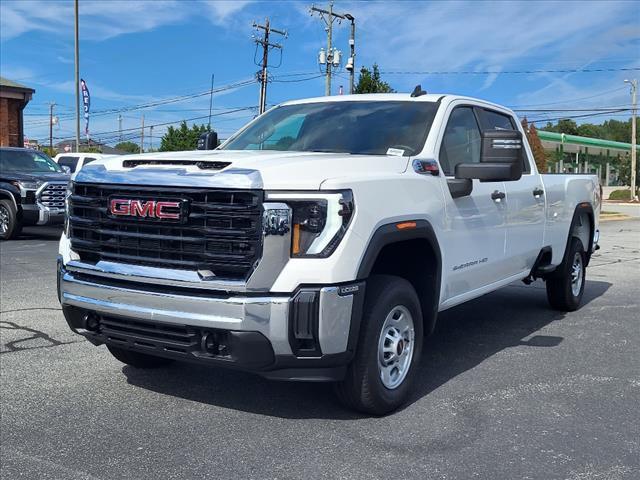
pixel 622 194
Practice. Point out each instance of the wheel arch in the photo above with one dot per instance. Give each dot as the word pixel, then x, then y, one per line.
pixel 577 229
pixel 9 192
pixel 413 253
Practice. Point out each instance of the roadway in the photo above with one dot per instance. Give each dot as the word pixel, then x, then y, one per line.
pixel 507 389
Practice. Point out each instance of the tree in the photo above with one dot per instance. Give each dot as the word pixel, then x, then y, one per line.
pixel 567 126
pixel 128 147
pixel 539 155
pixel 182 138
pixel 616 130
pixel 624 171
pixel 92 149
pixel 52 152
pixel 369 81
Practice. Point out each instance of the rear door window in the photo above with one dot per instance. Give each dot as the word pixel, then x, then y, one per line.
pixel 492 120
pixel 71 162
pixel 88 160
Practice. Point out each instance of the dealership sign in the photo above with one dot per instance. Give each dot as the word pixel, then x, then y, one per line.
pixel 86 103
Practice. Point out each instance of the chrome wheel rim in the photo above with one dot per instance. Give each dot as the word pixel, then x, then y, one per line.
pixel 577 274
pixel 395 347
pixel 4 220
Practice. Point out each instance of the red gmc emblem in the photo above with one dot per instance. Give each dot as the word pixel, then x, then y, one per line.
pixel 126 207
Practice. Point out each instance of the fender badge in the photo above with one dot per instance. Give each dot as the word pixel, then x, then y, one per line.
pixel 348 290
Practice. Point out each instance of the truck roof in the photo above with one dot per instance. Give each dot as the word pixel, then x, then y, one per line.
pixel 380 97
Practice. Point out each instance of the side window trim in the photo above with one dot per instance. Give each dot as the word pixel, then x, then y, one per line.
pixel 473 108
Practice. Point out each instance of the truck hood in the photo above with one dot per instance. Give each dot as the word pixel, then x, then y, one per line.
pixel 39 176
pixel 270 170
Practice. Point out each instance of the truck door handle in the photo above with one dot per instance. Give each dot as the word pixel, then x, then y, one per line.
pixel 498 196
pixel 538 192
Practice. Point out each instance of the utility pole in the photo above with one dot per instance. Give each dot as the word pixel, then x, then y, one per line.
pixel 151 138
pixel 119 128
pixel 210 101
pixel 351 62
pixel 331 58
pixel 51 105
pixel 77 72
pixel 634 105
pixel 266 46
pixel 142 136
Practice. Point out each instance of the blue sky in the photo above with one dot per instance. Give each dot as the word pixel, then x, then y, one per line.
pixel 137 52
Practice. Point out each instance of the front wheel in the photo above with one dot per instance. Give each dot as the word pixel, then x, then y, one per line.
pixel 379 378
pixel 9 224
pixel 565 286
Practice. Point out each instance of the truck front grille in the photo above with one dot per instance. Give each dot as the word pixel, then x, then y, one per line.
pixel 219 232
pixel 52 195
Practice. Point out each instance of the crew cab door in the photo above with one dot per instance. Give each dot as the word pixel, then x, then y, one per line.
pixel 475 230
pixel 525 202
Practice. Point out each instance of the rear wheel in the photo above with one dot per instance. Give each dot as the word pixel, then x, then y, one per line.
pixel 565 286
pixel 137 359
pixel 9 225
pixel 379 378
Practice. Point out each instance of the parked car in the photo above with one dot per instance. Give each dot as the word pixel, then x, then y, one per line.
pixel 320 242
pixel 32 190
pixel 75 161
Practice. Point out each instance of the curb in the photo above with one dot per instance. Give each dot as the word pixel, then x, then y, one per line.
pixel 611 218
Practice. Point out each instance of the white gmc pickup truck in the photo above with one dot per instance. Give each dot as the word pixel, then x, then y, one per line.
pixel 320 241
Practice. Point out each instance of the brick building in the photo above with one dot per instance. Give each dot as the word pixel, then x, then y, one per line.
pixel 13 98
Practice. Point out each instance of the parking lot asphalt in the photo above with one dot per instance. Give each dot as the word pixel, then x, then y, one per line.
pixel 507 389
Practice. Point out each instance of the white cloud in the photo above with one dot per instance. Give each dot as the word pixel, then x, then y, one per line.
pixel 220 10
pixel 100 20
pixel 495 36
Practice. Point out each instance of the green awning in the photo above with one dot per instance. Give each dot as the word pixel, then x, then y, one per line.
pixel 565 139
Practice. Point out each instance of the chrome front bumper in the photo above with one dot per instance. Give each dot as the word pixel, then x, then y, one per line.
pixel 39 215
pixel 269 314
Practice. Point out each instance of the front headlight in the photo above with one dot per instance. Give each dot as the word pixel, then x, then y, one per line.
pixel 27 184
pixel 318 221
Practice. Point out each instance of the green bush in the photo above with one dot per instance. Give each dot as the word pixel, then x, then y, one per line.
pixel 620 195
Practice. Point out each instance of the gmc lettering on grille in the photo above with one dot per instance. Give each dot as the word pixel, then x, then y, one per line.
pixel 124 207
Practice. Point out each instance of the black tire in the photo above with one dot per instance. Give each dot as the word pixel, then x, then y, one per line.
pixel 563 294
pixel 10 226
pixel 362 388
pixel 137 359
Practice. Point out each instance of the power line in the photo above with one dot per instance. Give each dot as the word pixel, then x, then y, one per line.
pixel 101 134
pixel 160 102
pixel 612 107
pixel 588 115
pixel 571 100
pixel 509 72
pixel 274 80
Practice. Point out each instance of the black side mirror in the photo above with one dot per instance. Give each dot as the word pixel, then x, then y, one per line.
pixel 208 141
pixel 501 158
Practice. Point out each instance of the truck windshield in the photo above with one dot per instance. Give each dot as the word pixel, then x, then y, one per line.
pixel 26 161
pixel 355 127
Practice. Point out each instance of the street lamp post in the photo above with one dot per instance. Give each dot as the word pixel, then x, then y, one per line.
pixel 77 76
pixel 634 90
